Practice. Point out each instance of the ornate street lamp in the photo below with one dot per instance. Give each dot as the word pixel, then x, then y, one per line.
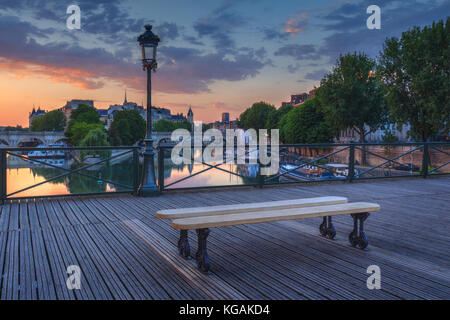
pixel 148 42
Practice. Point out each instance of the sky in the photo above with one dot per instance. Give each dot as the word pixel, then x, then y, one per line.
pixel 215 55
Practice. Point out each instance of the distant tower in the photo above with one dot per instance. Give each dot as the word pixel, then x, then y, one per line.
pixel 125 100
pixel 190 116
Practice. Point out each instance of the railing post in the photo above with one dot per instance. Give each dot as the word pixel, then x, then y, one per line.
pixel 160 168
pixel 3 166
pixel 425 160
pixel 260 176
pixel 135 171
pixel 351 163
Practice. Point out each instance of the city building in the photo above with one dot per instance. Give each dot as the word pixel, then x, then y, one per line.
pixel 73 105
pixel 35 114
pixel 296 99
pixel 225 117
pixel 348 135
pixel 190 116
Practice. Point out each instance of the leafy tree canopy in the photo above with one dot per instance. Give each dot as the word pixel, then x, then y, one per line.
pixel 256 116
pixel 415 71
pixel 274 117
pixel 85 113
pixel 51 121
pixel 127 128
pixel 305 124
pixel 351 97
pixel 82 120
pixel 95 137
pixel 163 125
pixel 79 130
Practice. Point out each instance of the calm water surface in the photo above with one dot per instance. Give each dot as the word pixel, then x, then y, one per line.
pixel 21 174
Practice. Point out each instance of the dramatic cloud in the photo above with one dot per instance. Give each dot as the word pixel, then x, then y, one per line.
pixel 348 22
pixel 298 51
pixel 191 70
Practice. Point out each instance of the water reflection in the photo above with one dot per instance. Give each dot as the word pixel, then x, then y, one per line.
pixel 22 174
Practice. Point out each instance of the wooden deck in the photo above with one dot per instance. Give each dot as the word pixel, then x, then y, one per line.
pixel 124 252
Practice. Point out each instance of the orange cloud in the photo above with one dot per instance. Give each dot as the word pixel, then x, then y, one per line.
pixel 296 24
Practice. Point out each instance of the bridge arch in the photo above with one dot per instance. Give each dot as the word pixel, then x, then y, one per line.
pixel 30 142
pixel 3 143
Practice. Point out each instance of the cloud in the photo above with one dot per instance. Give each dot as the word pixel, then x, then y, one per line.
pixel 192 70
pixel 348 24
pixel 167 31
pixel 317 74
pixel 218 27
pixel 296 24
pixel 298 51
pixel 293 68
pixel 272 34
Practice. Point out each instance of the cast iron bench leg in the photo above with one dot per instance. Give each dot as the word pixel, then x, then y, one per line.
pixel 358 237
pixel 183 245
pixel 203 262
pixel 327 228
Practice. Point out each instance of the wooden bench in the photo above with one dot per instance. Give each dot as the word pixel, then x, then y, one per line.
pixel 203 218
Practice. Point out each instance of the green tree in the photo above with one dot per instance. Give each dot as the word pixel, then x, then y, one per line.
pixel 351 97
pixel 305 124
pixel 51 121
pixel 256 116
pixel 79 130
pixel 82 120
pixel 85 113
pixel 274 117
pixel 163 125
pixel 95 137
pixel 127 128
pixel 415 71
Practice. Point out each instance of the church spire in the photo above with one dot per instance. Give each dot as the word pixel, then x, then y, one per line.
pixel 125 101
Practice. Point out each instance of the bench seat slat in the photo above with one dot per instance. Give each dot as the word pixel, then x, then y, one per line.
pixel 272 215
pixel 249 207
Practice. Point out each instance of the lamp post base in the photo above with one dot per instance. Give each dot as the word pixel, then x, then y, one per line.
pixel 148 191
pixel 148 187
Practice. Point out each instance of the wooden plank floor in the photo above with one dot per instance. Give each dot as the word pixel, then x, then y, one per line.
pixel 124 252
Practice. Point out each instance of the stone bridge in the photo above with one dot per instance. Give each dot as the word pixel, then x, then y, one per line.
pixel 22 138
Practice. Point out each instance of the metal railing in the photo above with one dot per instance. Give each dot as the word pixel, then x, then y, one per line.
pixel 299 163
pixel 361 161
pixel 47 159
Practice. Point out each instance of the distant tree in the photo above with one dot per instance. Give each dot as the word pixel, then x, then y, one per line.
pixel 85 113
pixel 95 137
pixel 256 116
pixel 351 97
pixel 51 121
pixel 79 130
pixel 127 128
pixel 16 128
pixel 82 120
pixel 163 125
pixel 415 71
pixel 305 124
pixel 274 117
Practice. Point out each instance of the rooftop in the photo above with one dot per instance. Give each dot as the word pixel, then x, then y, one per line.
pixel 125 252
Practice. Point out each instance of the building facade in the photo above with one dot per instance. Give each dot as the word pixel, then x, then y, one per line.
pixel 35 114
